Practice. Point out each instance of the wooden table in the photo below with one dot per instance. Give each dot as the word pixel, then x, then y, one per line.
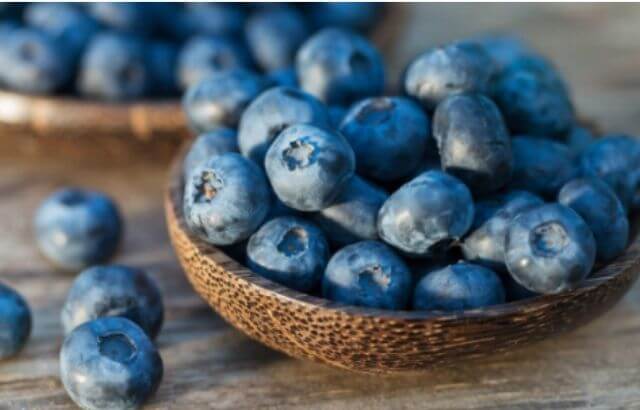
pixel 210 365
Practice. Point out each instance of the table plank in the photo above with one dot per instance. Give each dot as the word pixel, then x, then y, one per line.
pixel 208 364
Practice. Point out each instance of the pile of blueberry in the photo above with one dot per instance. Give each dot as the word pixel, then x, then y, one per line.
pixel 111 313
pixel 125 51
pixel 472 185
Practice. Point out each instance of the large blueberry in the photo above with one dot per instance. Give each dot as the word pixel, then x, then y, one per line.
pixel 578 140
pixel 427 214
pixel 114 67
pixel 114 290
pixel 458 287
pixel 369 274
pixel 15 322
pixel 77 228
pixel 210 144
pixel 273 111
pixel 360 16
pixel 485 244
pixel 354 215
pixel 473 142
pixel 601 209
pixel 290 251
pixel 274 35
pixel 162 60
pixel 309 167
pixel 226 199
pixel 549 248
pixel 33 62
pixel 109 363
pixel 616 160
pixel 339 67
pixel 540 166
pixel 533 99
pixel 202 56
pixel 388 136
pixel 447 70
pixel 220 99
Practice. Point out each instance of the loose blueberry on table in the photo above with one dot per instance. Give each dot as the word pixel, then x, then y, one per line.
pixel 15 322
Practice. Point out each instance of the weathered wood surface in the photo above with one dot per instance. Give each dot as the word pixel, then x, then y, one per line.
pixel 208 364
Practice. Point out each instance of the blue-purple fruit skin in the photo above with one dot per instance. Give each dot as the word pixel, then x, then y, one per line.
pixel 290 251
pixel 202 56
pixel 216 18
pixel 353 217
pixel 616 160
pixel 109 363
pixel 123 17
pixel 427 214
pixel 114 290
pixel 388 136
pixel 162 62
pixel 336 115
pixel 274 36
pixel 578 140
pixel 220 99
pixel 515 291
pixel 485 244
pixel 457 287
pixel 339 67
pixel 114 68
pixel 285 77
pixel 273 111
pixel 463 67
pixel 549 249
pixel 15 322
pixel 369 274
pixel 77 228
pixel 533 99
pixel 360 16
pixel 601 209
pixel 210 144
pixel 504 49
pixel 473 142
pixel 226 199
pixel 309 167
pixel 540 166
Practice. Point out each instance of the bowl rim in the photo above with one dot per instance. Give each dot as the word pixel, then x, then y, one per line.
pixel 601 275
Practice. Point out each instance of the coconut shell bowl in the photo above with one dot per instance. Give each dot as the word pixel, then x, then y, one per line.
pixel 381 341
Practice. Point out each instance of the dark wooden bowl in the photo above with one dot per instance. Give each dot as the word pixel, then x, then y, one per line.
pixel 380 341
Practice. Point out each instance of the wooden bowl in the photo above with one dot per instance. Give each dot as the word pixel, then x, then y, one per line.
pixel 373 340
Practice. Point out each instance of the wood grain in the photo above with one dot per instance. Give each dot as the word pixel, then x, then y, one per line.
pixel 211 365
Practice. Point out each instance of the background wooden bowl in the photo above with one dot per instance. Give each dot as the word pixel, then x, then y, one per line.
pixel 380 341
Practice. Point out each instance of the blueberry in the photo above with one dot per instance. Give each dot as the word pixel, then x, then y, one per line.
pixel 285 77
pixel 126 17
pixel 452 69
pixel 533 99
pixel 220 99
pixel 336 115
pixel 210 144
pixel 388 136
pixel 274 35
pixel 353 216
pixel 109 363
pixel 616 160
pixel 273 111
pixel 458 287
pixel 515 291
pixel 64 22
pixel 601 209
pixel 578 140
pixel 473 142
pixel 504 49
pixel 369 274
pixel 33 62
pixel 485 244
pixel 549 249
pixel 359 16
pixel 309 167
pixel 219 19
pixel 77 228
pixel 541 67
pixel 114 67
pixel 203 56
pixel 226 199
pixel 162 61
pixel 290 251
pixel 427 214
pixel 114 290
pixel 339 67
pixel 15 322
pixel 540 166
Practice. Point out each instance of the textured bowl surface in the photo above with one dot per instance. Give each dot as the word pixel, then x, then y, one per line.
pixel 381 341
